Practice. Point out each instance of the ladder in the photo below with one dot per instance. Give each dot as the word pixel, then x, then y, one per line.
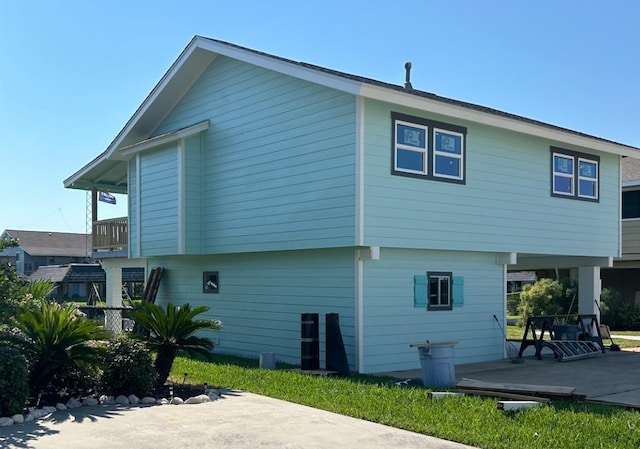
pixel 94 295
pixel 565 350
pixel 126 299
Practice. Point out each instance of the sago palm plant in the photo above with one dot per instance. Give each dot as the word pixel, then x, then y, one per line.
pixel 56 341
pixel 171 333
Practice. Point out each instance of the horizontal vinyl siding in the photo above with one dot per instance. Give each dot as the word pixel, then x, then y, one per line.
pixel 392 323
pixel 504 206
pixel 631 238
pixel 262 296
pixel 159 202
pixel 278 163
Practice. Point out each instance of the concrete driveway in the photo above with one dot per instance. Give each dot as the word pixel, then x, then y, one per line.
pixel 238 421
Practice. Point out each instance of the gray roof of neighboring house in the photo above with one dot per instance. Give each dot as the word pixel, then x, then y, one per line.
pixel 82 273
pixel 630 169
pixel 522 276
pixel 37 243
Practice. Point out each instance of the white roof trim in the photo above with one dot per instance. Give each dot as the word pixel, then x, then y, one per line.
pixel 464 113
pixel 172 136
pixel 633 183
pixel 356 87
pixel 270 62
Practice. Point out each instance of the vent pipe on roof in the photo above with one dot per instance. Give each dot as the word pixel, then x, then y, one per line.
pixel 407 79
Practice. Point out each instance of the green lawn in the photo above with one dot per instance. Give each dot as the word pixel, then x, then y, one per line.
pixel 471 420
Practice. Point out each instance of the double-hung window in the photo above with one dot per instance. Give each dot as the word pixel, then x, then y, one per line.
pixel 411 148
pixel 574 175
pixel 428 149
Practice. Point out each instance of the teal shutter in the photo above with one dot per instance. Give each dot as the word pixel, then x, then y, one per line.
pixel 420 291
pixel 458 291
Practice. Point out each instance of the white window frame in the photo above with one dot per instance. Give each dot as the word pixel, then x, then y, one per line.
pixel 586 178
pixel 564 175
pixel 459 157
pixel 424 151
pixel 441 304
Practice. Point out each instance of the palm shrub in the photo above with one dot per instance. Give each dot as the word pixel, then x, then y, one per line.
pixel 170 332
pixel 14 388
pixel 33 293
pixel 128 368
pixel 57 343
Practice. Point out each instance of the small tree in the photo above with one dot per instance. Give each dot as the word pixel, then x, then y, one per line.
pixel 171 332
pixel 10 285
pixel 542 298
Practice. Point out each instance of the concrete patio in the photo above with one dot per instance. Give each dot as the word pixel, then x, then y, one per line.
pixel 612 377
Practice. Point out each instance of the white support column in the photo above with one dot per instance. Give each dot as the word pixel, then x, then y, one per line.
pixel 113 284
pixel 589 288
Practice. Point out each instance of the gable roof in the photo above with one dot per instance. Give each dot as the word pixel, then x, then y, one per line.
pixel 82 273
pixel 37 243
pixel 108 170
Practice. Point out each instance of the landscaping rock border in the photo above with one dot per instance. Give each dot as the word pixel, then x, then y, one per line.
pixel 32 414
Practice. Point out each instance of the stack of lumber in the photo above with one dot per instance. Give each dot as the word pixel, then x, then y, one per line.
pixel 518 392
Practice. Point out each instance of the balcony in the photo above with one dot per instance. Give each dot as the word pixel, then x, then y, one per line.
pixel 111 235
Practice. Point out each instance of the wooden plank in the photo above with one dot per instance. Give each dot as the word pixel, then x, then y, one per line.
pixel 517 388
pixel 444 394
pixel 517 405
pixel 504 394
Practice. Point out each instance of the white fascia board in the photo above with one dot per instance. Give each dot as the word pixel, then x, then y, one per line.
pixel 633 183
pixel 462 113
pixel 135 118
pixel 173 136
pixel 281 66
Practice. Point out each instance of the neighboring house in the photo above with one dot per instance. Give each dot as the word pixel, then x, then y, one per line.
pixel 294 189
pixel 625 274
pixel 76 281
pixel 36 249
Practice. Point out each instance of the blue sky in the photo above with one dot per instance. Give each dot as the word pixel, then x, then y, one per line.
pixel 73 72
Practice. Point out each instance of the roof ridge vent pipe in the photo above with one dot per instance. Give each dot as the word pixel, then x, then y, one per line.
pixel 407 79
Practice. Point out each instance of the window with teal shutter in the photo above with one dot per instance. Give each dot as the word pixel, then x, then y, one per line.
pixel 457 291
pixel 419 291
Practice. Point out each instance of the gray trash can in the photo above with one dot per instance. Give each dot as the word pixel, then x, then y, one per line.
pixel 437 361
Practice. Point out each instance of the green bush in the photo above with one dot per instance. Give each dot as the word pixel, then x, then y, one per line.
pixel 547 297
pixel 128 368
pixel 14 386
pixel 539 298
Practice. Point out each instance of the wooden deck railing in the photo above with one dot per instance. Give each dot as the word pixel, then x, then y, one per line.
pixel 111 234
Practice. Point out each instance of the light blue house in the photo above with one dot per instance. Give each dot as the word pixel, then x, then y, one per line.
pixel 268 188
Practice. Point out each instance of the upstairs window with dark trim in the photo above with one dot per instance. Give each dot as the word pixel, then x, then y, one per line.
pixel 428 149
pixel 575 175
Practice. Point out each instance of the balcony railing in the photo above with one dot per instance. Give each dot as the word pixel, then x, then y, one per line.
pixel 111 234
